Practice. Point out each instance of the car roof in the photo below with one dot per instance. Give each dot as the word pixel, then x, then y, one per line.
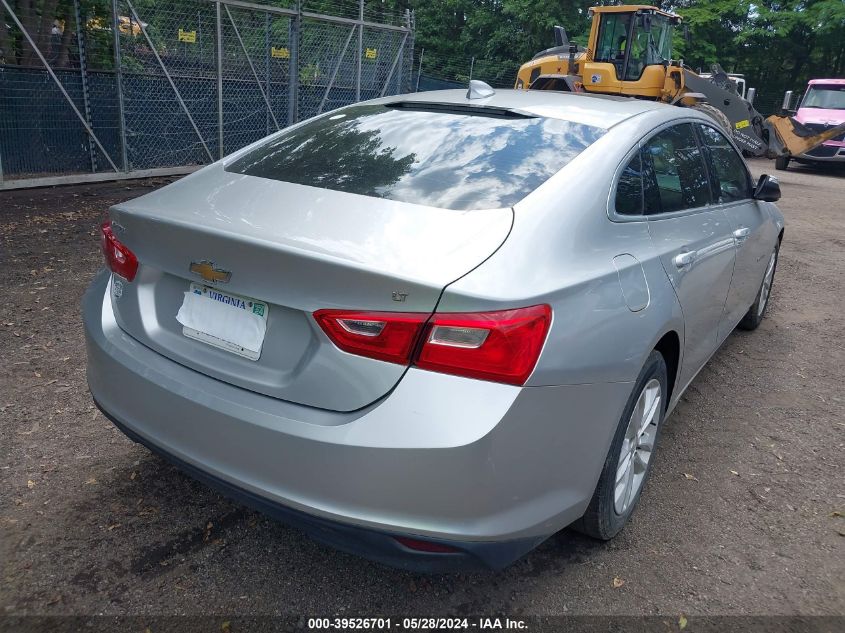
pixel 602 111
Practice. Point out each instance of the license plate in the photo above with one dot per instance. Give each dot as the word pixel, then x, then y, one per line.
pixel 227 321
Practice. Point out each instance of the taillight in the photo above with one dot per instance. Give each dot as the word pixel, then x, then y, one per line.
pixel 501 346
pixel 388 336
pixel 119 258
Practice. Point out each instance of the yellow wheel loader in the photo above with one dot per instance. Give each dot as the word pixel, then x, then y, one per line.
pixel 629 53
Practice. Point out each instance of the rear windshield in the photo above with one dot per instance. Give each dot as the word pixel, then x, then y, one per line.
pixel 422 155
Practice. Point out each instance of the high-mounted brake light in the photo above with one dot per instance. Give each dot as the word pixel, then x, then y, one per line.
pixel 119 258
pixel 500 346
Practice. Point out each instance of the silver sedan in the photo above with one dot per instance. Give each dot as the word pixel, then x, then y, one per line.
pixel 433 329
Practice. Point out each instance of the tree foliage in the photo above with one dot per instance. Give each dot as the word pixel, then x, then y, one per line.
pixel 504 33
pixel 777 44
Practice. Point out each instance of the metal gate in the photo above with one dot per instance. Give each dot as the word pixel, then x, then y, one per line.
pixel 146 87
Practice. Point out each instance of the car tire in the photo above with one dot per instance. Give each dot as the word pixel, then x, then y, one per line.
pixel 757 311
pixel 781 163
pixel 717 115
pixel 606 515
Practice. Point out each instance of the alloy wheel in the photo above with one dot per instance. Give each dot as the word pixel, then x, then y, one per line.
pixel 637 446
pixel 767 284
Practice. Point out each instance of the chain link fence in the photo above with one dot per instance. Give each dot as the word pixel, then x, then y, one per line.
pixel 98 89
pixel 441 72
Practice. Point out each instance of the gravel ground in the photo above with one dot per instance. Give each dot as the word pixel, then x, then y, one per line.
pixel 743 513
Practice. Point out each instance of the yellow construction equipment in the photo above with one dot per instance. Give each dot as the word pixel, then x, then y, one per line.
pixel 629 53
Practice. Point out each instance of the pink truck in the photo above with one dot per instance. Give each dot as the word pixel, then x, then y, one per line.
pixel 822 107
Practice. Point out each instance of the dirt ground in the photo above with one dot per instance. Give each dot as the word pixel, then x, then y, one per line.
pixel 743 513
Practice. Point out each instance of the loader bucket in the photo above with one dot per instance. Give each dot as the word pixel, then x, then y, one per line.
pixel 793 138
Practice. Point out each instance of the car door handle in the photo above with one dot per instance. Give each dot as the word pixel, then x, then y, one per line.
pixel 684 260
pixel 741 233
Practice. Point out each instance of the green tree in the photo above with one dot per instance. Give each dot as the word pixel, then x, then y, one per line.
pixel 777 45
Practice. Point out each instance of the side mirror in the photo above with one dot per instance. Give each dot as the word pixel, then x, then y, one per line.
pixel 767 189
pixel 687 36
pixel 786 108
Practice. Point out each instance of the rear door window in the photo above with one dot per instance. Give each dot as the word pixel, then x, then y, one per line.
pixel 676 166
pixel 730 176
pixel 459 158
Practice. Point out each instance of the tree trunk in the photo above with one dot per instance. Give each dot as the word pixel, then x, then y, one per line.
pixel 45 27
pixel 839 66
pixel 63 52
pixel 29 18
pixel 7 51
pixel 801 55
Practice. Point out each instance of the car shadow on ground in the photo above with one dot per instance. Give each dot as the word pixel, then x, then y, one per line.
pixel 148 497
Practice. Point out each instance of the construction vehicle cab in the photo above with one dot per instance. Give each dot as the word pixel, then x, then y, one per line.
pixel 631 46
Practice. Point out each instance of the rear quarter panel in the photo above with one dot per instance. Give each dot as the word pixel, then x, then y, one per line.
pixel 561 251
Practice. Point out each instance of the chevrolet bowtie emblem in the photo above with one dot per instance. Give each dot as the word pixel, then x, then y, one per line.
pixel 207 271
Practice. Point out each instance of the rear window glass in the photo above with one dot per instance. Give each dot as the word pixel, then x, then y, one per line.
pixel 424 156
pixel 629 189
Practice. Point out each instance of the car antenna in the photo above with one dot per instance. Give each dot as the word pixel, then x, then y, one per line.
pixel 479 90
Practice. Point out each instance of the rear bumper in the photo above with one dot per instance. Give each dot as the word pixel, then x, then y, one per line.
pixel 372 544
pixel 489 469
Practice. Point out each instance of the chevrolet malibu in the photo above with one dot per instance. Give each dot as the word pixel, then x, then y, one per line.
pixel 433 329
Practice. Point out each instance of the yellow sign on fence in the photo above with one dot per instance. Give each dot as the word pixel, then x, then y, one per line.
pixel 371 53
pixel 279 53
pixel 188 36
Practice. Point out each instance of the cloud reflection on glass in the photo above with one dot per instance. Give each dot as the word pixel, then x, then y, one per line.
pixel 441 159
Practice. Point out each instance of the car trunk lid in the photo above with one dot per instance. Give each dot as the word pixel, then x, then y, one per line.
pixel 296 249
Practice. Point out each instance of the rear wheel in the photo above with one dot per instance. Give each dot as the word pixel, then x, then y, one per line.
pixel 754 316
pixel 717 115
pixel 781 162
pixel 628 461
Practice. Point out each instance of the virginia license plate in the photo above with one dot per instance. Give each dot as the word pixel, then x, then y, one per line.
pixel 227 321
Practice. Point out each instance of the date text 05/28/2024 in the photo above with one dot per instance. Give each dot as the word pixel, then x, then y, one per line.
pixel 416 624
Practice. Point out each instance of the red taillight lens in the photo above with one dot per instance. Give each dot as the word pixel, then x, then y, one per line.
pixel 388 336
pixel 119 258
pixel 500 346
